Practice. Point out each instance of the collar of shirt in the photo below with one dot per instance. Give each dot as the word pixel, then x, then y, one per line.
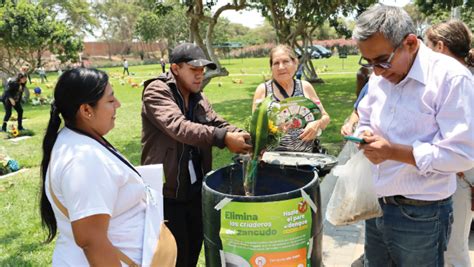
pixel 416 71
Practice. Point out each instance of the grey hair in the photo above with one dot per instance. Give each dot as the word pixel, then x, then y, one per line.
pixel 393 23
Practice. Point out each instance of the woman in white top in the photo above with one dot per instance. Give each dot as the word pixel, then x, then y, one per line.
pixel 91 194
pixel 453 38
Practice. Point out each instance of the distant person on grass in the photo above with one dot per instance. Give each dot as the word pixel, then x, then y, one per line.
pixel 42 74
pixel 125 67
pixel 179 130
pixel 12 98
pixel 90 193
pixel 416 120
pixel 453 38
pixel 163 65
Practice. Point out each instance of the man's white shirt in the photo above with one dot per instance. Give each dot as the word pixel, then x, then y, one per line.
pixel 432 110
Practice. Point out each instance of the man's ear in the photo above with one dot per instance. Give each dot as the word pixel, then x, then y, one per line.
pixel 412 42
pixel 175 69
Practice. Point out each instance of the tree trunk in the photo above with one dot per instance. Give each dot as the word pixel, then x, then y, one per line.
pixel 39 58
pixel 209 50
pixel 109 49
pixel 309 70
pixel 196 14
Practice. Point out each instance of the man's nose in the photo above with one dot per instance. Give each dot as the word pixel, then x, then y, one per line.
pixel 378 70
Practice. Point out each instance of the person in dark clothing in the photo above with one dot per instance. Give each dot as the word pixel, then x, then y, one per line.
pixel 179 129
pixel 163 65
pixel 12 99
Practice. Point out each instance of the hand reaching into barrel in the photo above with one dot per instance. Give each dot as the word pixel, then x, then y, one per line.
pixel 238 142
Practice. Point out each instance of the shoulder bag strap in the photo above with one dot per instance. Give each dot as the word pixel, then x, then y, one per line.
pixel 122 257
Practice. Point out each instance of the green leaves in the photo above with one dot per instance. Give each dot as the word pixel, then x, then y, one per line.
pixel 259 133
pixel 29 29
pixel 259 127
pixel 148 26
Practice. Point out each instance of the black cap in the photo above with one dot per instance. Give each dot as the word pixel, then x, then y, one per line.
pixel 192 55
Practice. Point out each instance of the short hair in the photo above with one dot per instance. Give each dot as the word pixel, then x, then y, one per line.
pixel 393 23
pixel 285 48
pixel 454 34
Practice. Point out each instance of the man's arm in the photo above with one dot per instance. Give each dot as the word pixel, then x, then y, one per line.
pixel 452 148
pixel 235 139
pixel 162 111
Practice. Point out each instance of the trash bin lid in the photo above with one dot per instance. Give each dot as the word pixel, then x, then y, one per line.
pixel 286 158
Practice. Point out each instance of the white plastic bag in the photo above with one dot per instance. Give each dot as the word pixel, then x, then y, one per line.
pixel 354 197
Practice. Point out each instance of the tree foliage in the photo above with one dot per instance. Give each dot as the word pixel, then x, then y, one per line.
pixel 437 11
pixel 172 24
pixel 147 27
pixel 296 21
pixel 116 21
pixel 77 13
pixel 28 30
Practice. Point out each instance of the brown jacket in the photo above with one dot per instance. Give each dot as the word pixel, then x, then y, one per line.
pixel 168 136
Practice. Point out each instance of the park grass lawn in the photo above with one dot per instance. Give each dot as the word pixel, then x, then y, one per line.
pixel 21 235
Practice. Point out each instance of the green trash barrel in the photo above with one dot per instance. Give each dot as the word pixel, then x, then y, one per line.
pixel 280 226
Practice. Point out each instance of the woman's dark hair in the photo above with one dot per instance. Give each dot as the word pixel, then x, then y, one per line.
pixel 20 76
pixel 454 34
pixel 74 88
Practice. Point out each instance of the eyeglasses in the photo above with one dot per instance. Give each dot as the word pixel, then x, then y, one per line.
pixel 384 65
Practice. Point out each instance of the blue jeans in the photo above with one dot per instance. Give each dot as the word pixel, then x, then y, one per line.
pixel 407 236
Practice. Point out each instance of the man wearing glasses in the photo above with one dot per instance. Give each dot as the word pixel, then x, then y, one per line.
pixel 418 123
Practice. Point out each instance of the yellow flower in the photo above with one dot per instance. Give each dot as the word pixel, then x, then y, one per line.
pixel 272 128
pixel 15 131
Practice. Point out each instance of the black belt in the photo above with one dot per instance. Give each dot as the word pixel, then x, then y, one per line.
pixel 401 200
